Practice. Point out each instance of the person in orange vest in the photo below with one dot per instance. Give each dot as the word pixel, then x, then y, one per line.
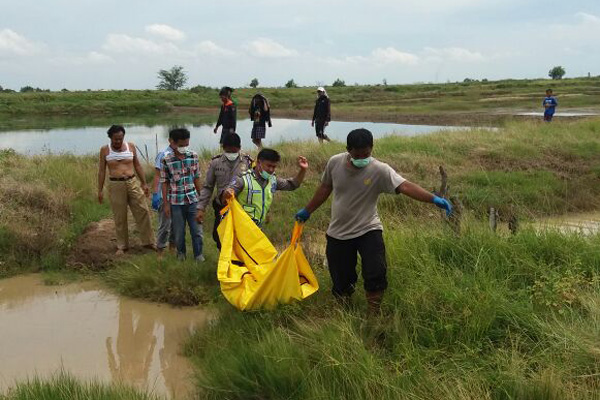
pixel 228 115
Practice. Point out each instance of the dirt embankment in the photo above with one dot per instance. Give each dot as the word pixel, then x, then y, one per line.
pixel 479 118
pixel 369 115
pixel 96 246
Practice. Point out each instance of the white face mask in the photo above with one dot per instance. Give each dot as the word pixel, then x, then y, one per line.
pixel 182 149
pixel 232 156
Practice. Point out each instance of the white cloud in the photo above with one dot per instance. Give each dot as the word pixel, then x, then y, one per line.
pixel 268 48
pixel 210 48
pixel 390 55
pixel 120 43
pixel 452 54
pixel 166 32
pixel 13 43
pixel 588 18
pixel 91 58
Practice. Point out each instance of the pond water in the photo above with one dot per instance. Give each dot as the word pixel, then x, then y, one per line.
pixel 582 223
pixel 91 333
pixel 88 139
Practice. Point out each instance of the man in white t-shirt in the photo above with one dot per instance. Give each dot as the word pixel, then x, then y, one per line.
pixel 356 180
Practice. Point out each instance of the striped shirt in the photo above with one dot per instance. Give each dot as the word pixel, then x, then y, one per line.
pixel 180 175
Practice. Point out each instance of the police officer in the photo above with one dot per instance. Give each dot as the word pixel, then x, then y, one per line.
pixel 222 169
pixel 255 188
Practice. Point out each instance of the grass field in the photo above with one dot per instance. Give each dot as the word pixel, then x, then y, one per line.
pixel 475 316
pixel 389 103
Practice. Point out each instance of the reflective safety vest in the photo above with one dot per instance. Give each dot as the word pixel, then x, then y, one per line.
pixel 255 199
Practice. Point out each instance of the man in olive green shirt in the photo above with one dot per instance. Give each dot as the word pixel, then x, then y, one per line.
pixel 221 170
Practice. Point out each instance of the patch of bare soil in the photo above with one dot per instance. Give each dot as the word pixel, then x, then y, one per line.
pixel 97 246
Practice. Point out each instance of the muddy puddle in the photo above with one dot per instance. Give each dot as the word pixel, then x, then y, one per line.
pixel 584 223
pixel 91 333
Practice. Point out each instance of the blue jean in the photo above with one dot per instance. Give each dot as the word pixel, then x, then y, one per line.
pixel 164 233
pixel 179 216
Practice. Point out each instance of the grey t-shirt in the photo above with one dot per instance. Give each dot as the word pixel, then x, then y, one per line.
pixel 355 193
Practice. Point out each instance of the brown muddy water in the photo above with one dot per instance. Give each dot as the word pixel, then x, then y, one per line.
pixel 92 333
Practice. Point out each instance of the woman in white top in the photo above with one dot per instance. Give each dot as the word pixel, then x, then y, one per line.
pixel 124 188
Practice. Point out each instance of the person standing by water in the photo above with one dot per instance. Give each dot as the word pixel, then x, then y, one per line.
pixel 549 105
pixel 124 188
pixel 222 169
pixel 164 232
pixel 260 114
pixel 228 114
pixel 356 180
pixel 322 114
pixel 180 179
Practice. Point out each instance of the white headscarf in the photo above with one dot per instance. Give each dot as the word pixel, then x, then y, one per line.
pixel 322 89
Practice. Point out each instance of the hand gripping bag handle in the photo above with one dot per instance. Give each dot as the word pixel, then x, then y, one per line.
pixel 296 233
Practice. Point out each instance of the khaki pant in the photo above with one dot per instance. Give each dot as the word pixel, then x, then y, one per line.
pixel 129 193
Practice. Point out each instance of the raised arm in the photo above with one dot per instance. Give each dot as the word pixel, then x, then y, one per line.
pixel 101 173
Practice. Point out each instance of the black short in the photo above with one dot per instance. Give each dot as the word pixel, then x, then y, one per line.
pixel 342 258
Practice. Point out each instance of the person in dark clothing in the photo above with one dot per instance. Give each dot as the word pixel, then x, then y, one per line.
pixel 228 114
pixel 322 114
pixel 260 114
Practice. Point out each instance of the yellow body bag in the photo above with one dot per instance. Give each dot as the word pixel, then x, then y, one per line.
pixel 251 274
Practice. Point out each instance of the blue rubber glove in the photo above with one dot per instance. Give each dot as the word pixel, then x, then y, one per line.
pixel 156 197
pixel 302 215
pixel 443 204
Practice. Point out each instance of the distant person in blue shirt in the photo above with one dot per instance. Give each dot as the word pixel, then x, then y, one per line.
pixel 549 104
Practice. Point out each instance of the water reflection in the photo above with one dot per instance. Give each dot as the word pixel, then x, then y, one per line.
pixel 93 334
pixel 88 139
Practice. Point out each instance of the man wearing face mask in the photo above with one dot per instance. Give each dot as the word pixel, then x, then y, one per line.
pixel 180 179
pixel 221 170
pixel 255 189
pixel 356 180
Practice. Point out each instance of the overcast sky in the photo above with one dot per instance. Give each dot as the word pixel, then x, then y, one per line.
pixel 121 44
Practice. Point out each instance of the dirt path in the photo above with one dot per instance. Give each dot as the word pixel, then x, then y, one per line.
pixel 96 246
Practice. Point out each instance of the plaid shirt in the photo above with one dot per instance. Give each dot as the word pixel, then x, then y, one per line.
pixel 180 174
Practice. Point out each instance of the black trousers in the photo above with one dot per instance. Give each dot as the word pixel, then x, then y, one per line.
pixel 342 256
pixel 320 129
pixel 217 207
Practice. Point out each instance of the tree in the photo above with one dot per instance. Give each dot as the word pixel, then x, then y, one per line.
pixel 26 89
pixel 339 83
pixel 173 79
pixel 291 84
pixel 557 72
pixel 254 83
